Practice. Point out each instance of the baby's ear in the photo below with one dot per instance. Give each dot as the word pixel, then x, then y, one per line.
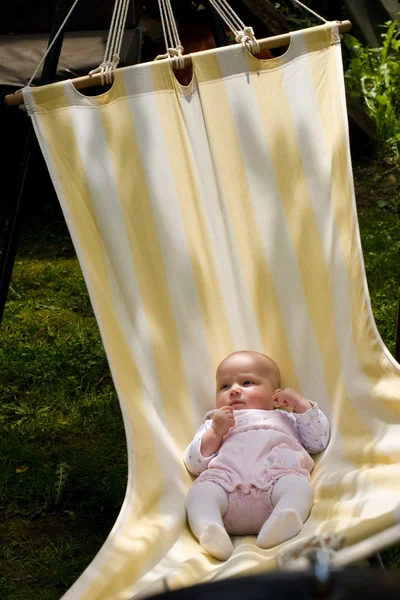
pixel 275 399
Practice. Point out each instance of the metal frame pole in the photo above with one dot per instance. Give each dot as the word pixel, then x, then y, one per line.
pixel 17 219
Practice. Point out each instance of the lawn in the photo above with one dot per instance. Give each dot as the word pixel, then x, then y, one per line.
pixel 62 448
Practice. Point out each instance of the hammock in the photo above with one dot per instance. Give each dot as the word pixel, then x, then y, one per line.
pixel 211 218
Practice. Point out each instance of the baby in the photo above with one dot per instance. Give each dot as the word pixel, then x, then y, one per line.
pixel 253 461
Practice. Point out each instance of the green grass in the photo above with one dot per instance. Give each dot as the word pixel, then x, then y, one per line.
pixel 63 457
pixel 381 246
pixel 58 407
pixel 378 204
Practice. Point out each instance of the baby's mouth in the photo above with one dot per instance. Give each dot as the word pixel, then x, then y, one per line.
pixel 237 401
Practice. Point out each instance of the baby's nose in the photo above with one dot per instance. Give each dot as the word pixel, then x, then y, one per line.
pixel 235 390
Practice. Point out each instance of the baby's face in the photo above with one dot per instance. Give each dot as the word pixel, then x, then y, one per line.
pixel 246 381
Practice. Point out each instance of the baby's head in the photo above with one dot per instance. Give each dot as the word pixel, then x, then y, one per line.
pixel 247 379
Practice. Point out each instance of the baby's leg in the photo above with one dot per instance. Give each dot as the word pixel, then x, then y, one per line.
pixel 206 504
pixel 292 499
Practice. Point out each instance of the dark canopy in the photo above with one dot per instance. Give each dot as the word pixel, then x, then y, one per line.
pixel 24 34
pixel 81 52
pixel 25 16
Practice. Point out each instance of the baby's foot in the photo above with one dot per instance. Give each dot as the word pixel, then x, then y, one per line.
pixel 279 528
pixel 216 541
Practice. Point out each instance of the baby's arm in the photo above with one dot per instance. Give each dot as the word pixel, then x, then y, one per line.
pixel 222 421
pixel 310 423
pixel 208 440
pixel 312 427
pixel 195 462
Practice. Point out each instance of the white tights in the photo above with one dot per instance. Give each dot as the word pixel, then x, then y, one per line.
pixel 207 504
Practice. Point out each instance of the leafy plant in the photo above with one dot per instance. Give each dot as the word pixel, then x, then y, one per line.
pixel 373 76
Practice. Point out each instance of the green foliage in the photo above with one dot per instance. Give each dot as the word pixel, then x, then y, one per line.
pixel 373 76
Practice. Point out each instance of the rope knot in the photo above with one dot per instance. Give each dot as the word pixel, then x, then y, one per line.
pixel 106 69
pixel 247 38
pixel 176 57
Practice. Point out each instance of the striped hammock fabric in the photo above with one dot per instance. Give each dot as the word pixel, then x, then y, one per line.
pixel 210 218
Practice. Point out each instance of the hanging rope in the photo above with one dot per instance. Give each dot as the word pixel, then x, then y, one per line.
pixel 114 43
pixel 309 10
pixel 174 48
pixel 228 15
pixel 52 43
pixel 243 35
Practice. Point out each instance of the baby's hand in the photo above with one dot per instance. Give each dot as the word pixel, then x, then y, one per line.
pixel 223 420
pixel 289 397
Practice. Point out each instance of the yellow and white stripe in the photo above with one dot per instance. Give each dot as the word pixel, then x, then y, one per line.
pixel 211 218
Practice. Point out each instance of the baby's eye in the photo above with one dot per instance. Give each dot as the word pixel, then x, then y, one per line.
pixel 247 382
pixel 224 387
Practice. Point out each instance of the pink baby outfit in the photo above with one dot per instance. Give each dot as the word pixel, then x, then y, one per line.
pixel 262 447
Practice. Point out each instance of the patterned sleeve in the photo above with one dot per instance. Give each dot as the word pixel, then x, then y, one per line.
pixel 312 427
pixel 195 462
